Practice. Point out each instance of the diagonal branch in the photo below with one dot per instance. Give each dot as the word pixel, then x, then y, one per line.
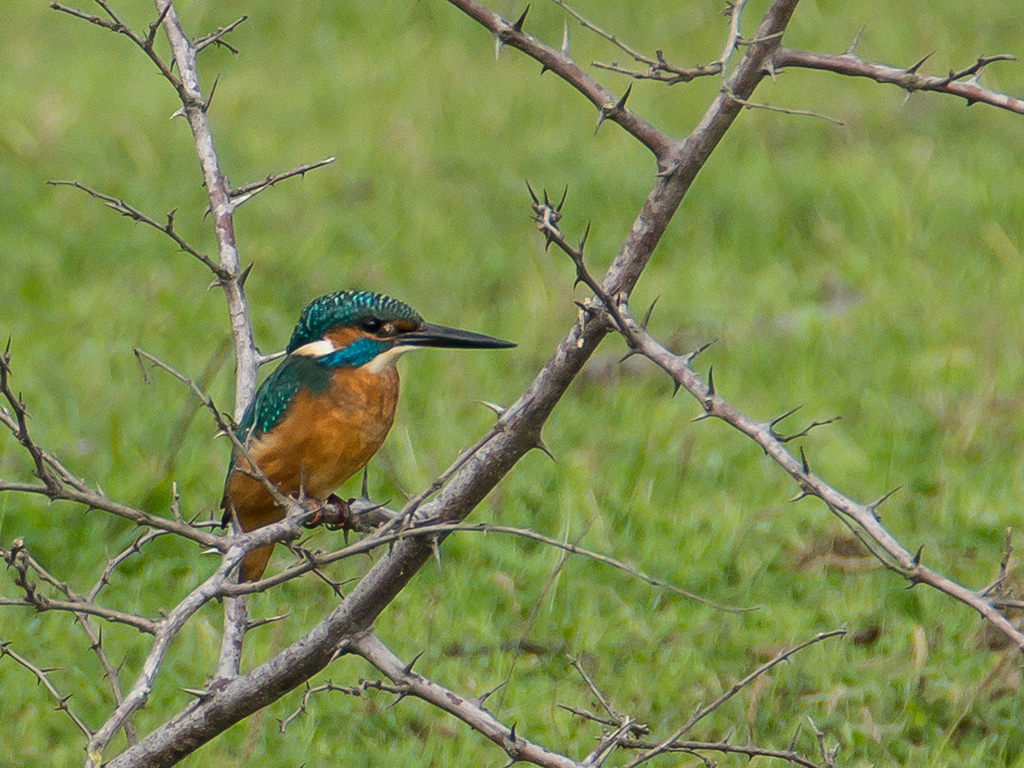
pixel 704 711
pixel 908 79
pixel 559 62
pixel 862 516
pixel 517 430
pixel 469 711
pixel 247 192
pixel 123 208
pixel 44 680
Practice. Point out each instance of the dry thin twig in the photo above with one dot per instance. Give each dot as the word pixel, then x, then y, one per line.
pixel 704 711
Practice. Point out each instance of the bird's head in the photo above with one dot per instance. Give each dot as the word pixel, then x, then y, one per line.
pixel 356 328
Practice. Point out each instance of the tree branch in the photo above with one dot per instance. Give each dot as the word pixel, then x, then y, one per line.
pixel 862 516
pixel 908 79
pixel 469 711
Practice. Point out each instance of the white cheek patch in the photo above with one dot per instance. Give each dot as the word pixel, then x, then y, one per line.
pixel 317 348
pixel 387 359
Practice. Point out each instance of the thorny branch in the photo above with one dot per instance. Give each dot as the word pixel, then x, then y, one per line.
pixel 42 676
pixel 863 517
pixel 60 484
pixel 123 208
pixel 910 79
pixel 518 428
pixel 470 711
pixel 704 711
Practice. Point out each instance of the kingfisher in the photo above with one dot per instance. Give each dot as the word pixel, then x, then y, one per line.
pixel 326 409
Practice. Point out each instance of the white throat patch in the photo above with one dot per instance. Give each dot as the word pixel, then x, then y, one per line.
pixel 317 348
pixel 386 360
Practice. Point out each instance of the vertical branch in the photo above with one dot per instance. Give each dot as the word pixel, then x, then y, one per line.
pixel 221 206
pixel 222 209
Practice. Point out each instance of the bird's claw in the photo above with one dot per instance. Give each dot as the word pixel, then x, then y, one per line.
pixel 334 514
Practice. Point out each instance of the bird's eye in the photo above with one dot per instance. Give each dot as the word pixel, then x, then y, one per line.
pixel 370 325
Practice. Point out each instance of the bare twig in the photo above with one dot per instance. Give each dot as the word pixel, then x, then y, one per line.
pixel 704 711
pixel 44 680
pixel 123 208
pixel 19 559
pixel 430 530
pixel 559 62
pixel 471 712
pixel 909 79
pixel 747 750
pixel 218 37
pixel 861 517
pixel 307 694
pixel 247 192
pixel 60 484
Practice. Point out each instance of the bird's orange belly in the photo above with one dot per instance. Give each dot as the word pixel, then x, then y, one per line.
pixel 320 442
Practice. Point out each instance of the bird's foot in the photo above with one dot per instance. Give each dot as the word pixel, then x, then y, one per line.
pixel 333 513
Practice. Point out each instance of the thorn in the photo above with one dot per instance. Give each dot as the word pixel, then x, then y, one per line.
pixel 200 693
pixel 628 355
pixel 583 240
pixel 179 112
pixel 801 495
pixel 532 194
pixel 711 383
pixel 213 90
pixel 851 51
pixel 365 489
pixel 670 169
pixel 498 409
pixel 803 461
pixel 675 389
pixel 608 110
pixel 512 733
pixel 518 26
pixel 873 506
pixel 913 70
pixel 558 208
pixel 917 557
pixel 647 315
pixel 689 358
pixel 498 43
pixel 565 38
pixel 784 416
pixel 792 742
pixel 407 669
pixel 619 105
pixel 245 275
pixel 340 651
pixel 436 549
pixel 479 701
pixel 540 446
pixel 401 696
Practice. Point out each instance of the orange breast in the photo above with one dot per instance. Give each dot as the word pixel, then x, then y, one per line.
pixel 320 442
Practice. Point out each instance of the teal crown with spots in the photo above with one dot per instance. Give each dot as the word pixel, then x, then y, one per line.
pixel 347 308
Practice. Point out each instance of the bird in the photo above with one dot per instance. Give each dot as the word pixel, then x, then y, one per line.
pixel 326 409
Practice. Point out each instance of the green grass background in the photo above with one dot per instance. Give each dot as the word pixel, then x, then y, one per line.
pixel 871 270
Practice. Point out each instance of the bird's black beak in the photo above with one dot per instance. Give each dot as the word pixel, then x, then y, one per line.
pixel 428 335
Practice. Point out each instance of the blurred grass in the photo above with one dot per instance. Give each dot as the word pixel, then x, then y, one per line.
pixel 871 270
